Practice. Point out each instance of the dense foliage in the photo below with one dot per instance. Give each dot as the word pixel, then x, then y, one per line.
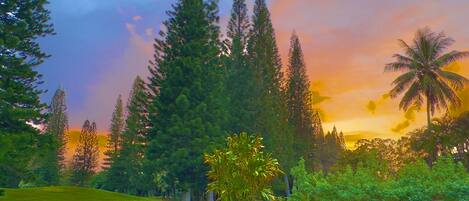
pixel 446 180
pixel 21 23
pixel 448 136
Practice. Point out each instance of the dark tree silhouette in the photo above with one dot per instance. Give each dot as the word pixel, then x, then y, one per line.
pixel 85 159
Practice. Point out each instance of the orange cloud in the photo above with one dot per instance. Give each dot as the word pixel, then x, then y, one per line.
pixel 372 105
pixel 137 18
pixel 409 117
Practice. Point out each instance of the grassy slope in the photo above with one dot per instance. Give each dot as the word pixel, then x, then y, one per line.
pixel 62 193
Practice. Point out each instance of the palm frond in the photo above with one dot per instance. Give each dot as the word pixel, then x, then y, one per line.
pixel 423 43
pixel 449 94
pixel 397 66
pixel 456 81
pixel 441 43
pixel 410 51
pixel 450 57
pixel 438 97
pixel 403 59
pixel 413 97
pixel 402 83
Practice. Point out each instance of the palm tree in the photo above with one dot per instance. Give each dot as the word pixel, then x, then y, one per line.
pixel 424 76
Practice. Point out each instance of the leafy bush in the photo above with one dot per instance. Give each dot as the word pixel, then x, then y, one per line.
pixel 2 192
pixel 446 180
pixel 303 186
pixel 242 171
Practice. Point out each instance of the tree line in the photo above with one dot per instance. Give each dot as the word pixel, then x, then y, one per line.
pixel 201 89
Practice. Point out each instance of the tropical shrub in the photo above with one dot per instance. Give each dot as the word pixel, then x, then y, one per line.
pixel 303 188
pixel 446 180
pixel 416 181
pixel 242 170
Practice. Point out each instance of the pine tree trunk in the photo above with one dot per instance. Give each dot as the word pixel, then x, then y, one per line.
pixel 186 196
pixel 211 196
pixel 287 185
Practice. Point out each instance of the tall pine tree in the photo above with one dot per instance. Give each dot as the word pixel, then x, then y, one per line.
pixel 115 134
pixel 125 174
pixel 271 109
pixel 85 159
pixel 57 123
pixel 239 82
pixel 238 26
pixel 299 102
pixel 21 23
pixel 52 144
pixel 187 113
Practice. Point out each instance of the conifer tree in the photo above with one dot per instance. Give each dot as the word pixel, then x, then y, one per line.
pixel 238 26
pixel 115 134
pixel 271 109
pixel 299 102
pixel 85 159
pixel 318 131
pixel 125 174
pixel 52 144
pixel 334 145
pixel 57 124
pixel 239 82
pixel 186 109
pixel 21 24
pixel 319 141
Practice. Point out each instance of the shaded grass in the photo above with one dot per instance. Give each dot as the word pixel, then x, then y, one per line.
pixel 67 193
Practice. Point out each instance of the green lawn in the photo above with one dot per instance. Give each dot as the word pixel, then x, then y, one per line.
pixel 62 193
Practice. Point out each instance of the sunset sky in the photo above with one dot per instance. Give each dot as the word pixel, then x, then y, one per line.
pixel 101 45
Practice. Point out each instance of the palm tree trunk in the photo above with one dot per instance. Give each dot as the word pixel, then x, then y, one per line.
pixel 429 115
pixel 429 125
